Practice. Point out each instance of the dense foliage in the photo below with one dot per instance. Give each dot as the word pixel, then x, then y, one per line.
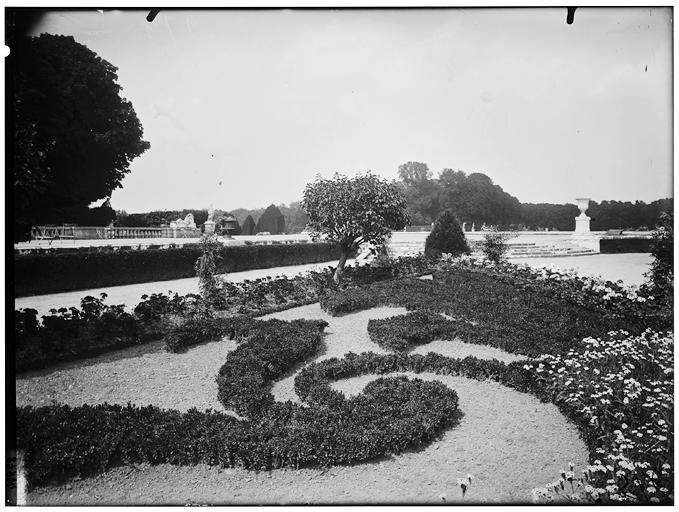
pixel 661 275
pixel 622 387
pixel 74 333
pixel 512 307
pixel 389 416
pixel 180 320
pixel 617 390
pixel 74 134
pixel 294 217
pixel 446 237
pixel 81 270
pixel 206 269
pixel 249 227
pixel 404 332
pixel 271 221
pixel 421 192
pixel 158 218
pixel 475 199
pixel 354 211
pixel 494 245
pixel 273 348
pixel 601 353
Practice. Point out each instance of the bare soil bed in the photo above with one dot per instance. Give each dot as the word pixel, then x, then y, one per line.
pixel 509 441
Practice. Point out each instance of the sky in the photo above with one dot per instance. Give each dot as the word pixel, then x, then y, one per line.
pixel 264 100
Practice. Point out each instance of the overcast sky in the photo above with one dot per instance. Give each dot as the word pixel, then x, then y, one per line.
pixel 264 100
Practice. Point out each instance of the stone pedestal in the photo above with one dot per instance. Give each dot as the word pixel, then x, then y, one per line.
pixel 582 220
pixel 209 226
pixel 582 223
pixel 582 235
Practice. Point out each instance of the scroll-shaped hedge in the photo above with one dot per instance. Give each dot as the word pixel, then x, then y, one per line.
pixel 403 332
pixel 506 313
pixel 390 415
pixel 273 348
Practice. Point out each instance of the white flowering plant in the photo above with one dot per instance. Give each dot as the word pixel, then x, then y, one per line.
pixel 622 387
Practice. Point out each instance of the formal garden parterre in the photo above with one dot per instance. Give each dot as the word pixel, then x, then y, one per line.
pixel 600 352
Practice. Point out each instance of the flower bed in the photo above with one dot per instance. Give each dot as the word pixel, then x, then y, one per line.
pixel 389 416
pixel 512 308
pixel 622 387
pixel 616 386
pixel 617 390
pixel 75 333
pixel 95 328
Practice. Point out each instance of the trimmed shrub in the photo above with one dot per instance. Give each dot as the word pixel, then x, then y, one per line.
pixel 624 245
pixel 199 329
pixel 271 220
pixel 272 349
pixel 389 416
pixel 248 226
pixel 516 315
pixel 446 237
pixel 51 273
pixel 404 332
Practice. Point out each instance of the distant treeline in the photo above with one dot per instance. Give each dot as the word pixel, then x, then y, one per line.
pixel 475 199
pixel 274 219
pixel 605 215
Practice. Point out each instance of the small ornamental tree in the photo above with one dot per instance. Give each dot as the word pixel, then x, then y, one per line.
pixel 354 211
pixel 446 237
pixel 248 226
pixel 494 245
pixel 206 270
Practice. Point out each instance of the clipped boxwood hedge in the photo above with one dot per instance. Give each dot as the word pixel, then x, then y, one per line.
pixel 52 273
pixel 389 416
pixel 624 245
pixel 405 332
pixel 504 314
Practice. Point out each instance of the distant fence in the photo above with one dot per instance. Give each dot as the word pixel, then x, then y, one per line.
pixel 105 233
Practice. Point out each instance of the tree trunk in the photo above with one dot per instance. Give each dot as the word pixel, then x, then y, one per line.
pixel 340 266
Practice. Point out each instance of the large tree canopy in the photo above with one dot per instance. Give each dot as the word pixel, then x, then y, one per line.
pixel 421 192
pixel 74 135
pixel 353 211
pixel 475 199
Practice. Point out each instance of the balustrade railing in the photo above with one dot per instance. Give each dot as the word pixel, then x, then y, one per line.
pixel 94 232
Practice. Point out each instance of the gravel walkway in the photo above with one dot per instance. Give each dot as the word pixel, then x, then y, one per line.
pixel 509 441
pixel 156 377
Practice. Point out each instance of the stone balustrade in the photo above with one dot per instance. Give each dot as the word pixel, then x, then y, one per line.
pixel 107 233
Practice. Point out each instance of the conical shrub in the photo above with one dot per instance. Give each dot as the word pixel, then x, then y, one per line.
pixel 446 237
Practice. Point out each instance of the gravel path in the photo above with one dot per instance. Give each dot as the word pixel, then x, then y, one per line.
pixel 155 377
pixel 509 441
